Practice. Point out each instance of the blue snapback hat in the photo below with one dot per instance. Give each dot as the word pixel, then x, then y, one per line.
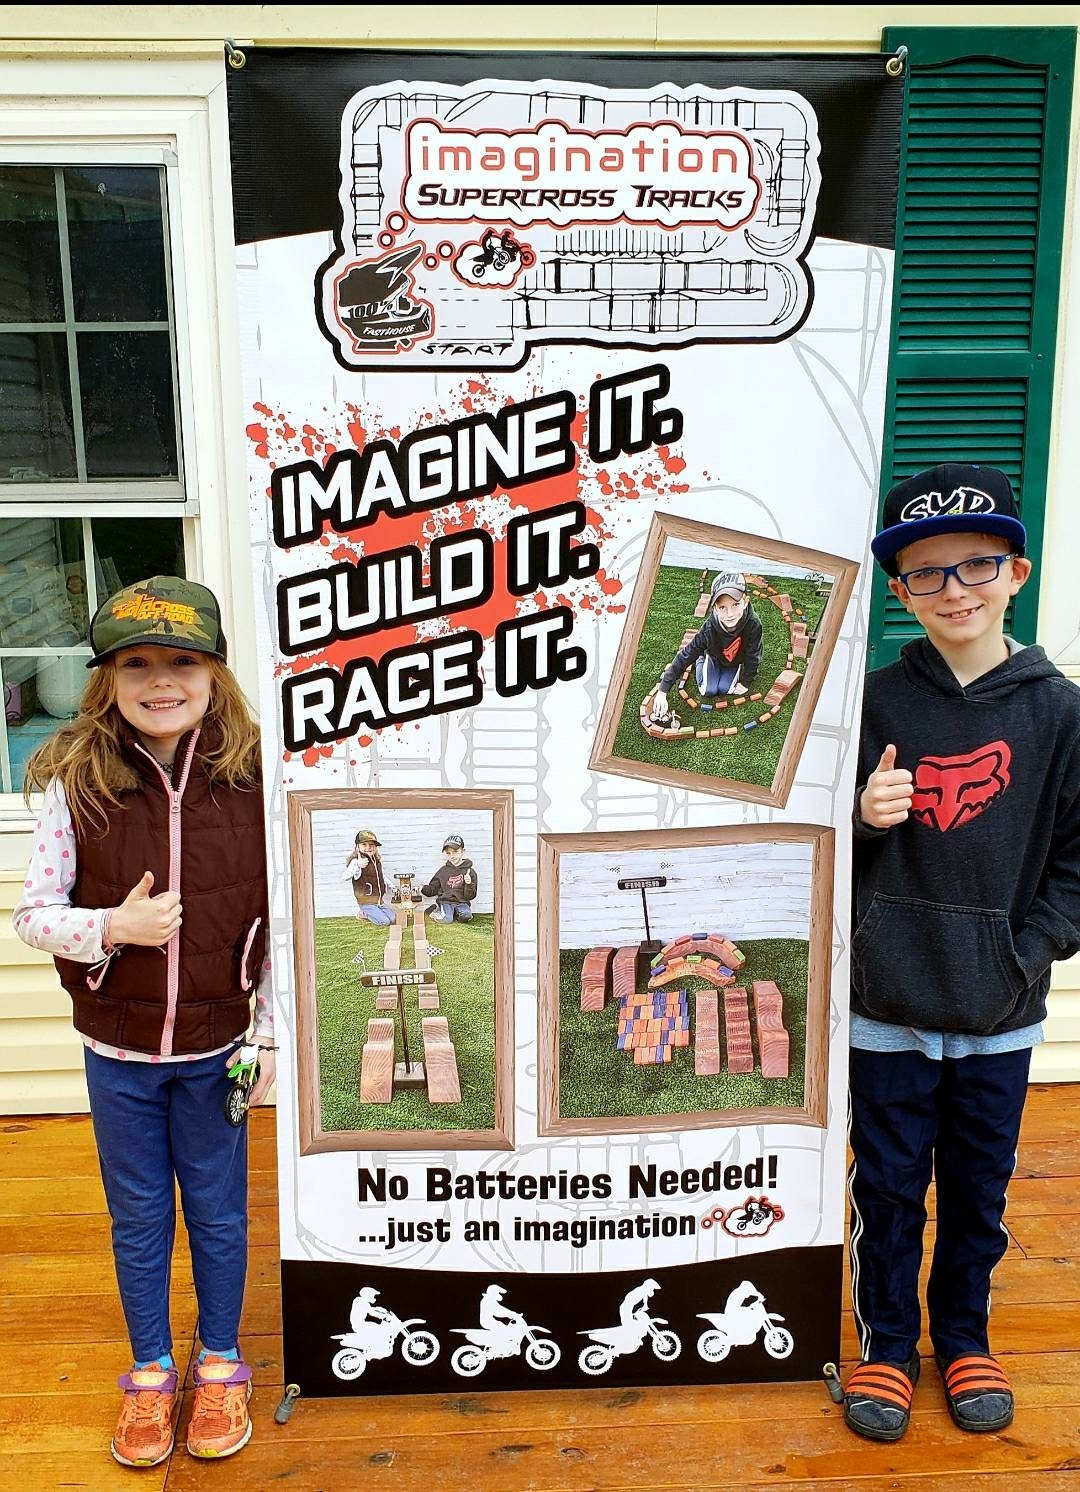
pixel 949 499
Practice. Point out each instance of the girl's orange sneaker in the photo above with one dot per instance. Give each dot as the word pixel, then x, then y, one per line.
pixel 146 1429
pixel 220 1423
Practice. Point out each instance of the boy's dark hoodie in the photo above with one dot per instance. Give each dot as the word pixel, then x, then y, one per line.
pixel 449 883
pixel 740 648
pixel 991 845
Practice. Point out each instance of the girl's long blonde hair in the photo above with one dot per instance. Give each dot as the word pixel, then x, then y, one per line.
pixel 86 755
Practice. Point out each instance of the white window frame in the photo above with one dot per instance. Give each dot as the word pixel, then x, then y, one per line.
pixel 166 110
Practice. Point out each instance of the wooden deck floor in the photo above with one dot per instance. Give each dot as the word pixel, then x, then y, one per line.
pixel 62 1344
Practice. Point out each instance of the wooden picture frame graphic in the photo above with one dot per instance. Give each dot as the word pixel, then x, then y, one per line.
pixel 758 551
pixel 550 849
pixel 302 804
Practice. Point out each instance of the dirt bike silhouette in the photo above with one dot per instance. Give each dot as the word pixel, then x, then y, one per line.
pixel 484 1345
pixel 376 1338
pixel 610 1342
pixel 738 1325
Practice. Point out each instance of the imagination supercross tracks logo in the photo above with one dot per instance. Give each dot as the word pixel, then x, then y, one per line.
pixel 498 216
pixel 656 174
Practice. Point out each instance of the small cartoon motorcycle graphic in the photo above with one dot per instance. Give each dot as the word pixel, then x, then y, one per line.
pixel 739 1323
pixel 374 1334
pixel 498 251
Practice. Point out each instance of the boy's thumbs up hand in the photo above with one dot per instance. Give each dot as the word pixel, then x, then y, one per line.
pixel 146 920
pixel 886 798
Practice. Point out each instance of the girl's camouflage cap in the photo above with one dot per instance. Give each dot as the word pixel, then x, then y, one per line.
pixel 164 611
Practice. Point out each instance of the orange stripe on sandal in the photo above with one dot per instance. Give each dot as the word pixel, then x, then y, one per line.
pixel 966 1367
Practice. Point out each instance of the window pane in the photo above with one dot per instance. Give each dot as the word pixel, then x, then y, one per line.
pixel 116 234
pixel 44 603
pixel 30 282
pixel 130 549
pixel 127 403
pixel 36 437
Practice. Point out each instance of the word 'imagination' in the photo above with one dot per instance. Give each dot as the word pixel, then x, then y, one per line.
pixel 431 468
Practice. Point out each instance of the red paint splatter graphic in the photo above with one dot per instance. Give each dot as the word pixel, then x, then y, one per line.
pixel 279 439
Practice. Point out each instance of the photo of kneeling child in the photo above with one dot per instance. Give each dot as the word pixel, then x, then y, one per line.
pixel 726 651
pixel 454 884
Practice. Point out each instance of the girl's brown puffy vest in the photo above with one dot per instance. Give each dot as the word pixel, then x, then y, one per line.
pixel 222 885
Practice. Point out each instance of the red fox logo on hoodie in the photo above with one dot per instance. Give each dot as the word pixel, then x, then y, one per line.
pixel 950 790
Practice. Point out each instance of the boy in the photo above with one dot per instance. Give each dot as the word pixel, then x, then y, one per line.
pixel 726 651
pixel 967 888
pixel 453 885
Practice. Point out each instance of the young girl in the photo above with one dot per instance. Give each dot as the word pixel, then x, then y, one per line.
pixel 147 883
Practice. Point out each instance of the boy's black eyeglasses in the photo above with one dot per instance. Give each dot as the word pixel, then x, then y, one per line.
pixel 933 578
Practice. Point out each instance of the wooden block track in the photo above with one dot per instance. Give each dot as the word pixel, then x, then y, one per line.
pixel 377 1063
pixel 440 1061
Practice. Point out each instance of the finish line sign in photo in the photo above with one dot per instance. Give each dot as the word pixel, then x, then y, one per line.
pixel 564 388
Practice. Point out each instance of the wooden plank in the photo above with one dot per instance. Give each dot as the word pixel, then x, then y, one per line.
pixel 440 1061
pixel 377 1063
pixel 596 978
pixel 1045 1237
pixel 630 1457
pixel 428 1002
pixel 706 1033
pixel 786 681
pixel 740 1050
pixel 772 1037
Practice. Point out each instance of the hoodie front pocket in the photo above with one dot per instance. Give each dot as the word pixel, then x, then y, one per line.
pixel 946 968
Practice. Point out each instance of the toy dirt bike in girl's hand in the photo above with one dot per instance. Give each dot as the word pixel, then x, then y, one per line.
pixel 244 1074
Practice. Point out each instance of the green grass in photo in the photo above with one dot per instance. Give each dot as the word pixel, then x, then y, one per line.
pixel 752 755
pixel 597 1081
pixel 465 970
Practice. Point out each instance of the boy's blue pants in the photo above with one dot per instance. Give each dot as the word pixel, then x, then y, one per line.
pixel 156 1123
pixel 909 1115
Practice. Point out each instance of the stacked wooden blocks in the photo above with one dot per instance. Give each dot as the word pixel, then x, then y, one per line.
pixel 652 1025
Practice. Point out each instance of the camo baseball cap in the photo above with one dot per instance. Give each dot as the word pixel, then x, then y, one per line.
pixel 165 611
pixel 367 836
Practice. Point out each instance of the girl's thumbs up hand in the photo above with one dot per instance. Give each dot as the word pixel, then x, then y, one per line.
pixel 886 798
pixel 143 919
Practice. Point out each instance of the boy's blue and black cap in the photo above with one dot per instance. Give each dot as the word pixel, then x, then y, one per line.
pixel 950 499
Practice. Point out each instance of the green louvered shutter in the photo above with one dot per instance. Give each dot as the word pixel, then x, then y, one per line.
pixel 983 168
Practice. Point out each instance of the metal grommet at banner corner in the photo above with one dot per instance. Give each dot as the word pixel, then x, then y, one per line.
pixel 236 58
pixel 894 67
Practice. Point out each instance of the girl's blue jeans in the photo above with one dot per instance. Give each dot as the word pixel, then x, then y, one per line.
pixel 154 1121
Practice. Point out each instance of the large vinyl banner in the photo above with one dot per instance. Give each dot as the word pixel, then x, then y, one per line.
pixel 564 397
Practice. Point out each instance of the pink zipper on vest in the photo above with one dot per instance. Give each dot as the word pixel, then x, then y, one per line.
pixel 172 947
